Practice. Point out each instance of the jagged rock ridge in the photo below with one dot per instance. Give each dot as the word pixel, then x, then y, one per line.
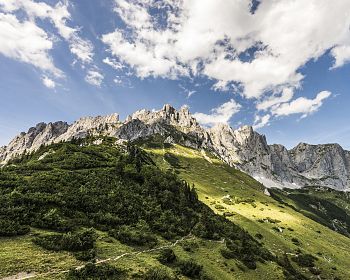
pixel 273 165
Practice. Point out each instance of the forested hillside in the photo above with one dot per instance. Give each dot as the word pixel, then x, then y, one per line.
pixel 66 194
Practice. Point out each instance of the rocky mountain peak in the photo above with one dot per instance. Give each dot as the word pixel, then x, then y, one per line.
pixel 273 165
pixel 168 109
pixel 245 135
pixel 221 127
pixel 168 115
pixel 42 133
pixel 185 110
pixel 245 131
pixel 90 126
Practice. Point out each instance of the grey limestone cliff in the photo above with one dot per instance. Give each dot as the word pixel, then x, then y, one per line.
pixel 273 165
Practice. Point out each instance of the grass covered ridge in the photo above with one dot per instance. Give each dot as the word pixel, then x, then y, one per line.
pixel 286 232
pixel 72 203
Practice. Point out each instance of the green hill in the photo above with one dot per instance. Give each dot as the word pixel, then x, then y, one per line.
pixel 282 228
pixel 83 211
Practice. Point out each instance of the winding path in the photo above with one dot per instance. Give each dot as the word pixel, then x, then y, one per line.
pixel 24 275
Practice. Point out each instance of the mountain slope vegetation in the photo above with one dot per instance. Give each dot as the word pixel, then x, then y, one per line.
pixel 76 198
pixel 284 230
pixel 91 208
pixel 325 206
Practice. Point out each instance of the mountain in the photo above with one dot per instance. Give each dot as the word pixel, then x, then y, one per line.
pixel 157 196
pixel 99 208
pixel 273 165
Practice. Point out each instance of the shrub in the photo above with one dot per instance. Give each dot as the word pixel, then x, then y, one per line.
pixel 190 268
pixel 315 270
pixel 269 220
pixel 259 236
pixel 227 254
pixel 304 260
pixel 228 214
pixel 87 255
pixel 12 228
pixel 53 220
pixel 68 242
pixel 157 273
pixel 92 271
pixel 296 241
pixel 289 271
pixel 219 207
pixel 277 229
pixel 167 256
pixel 134 236
pixel 190 245
pixel 172 160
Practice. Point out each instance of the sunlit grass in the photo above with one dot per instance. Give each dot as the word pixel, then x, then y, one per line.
pixel 19 254
pixel 215 180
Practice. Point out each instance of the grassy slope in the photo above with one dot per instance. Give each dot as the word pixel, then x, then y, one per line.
pixel 213 180
pixel 328 207
pixel 21 255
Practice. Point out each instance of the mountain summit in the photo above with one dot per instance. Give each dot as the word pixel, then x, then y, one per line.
pixel 273 165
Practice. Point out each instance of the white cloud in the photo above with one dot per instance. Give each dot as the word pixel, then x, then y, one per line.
pixel 302 105
pixel 285 96
pixel 83 49
pixel 187 91
pixel 58 15
pixel 341 55
pixel 26 42
pixel 138 56
pixel 113 63
pixel 261 121
pixel 221 114
pixel 23 40
pixel 94 77
pixel 190 93
pixel 210 36
pixel 118 81
pixel 48 82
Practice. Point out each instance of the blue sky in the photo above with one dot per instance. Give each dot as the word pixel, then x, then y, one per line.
pixel 283 69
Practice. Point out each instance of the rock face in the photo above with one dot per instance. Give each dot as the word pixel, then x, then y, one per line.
pixel 273 165
pixel 181 119
pixel 44 134
pixel 41 134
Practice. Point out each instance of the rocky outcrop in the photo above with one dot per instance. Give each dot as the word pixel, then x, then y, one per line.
pixel 92 126
pixel 181 119
pixel 273 165
pixel 41 134
pixel 45 134
pixel 328 163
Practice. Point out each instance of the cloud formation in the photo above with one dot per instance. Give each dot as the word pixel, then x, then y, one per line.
pixel 280 37
pixel 221 114
pixel 302 105
pixel 48 82
pixel 94 77
pixel 23 40
pixel 26 42
pixel 260 53
pixel 257 55
pixel 275 99
pixel 261 121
